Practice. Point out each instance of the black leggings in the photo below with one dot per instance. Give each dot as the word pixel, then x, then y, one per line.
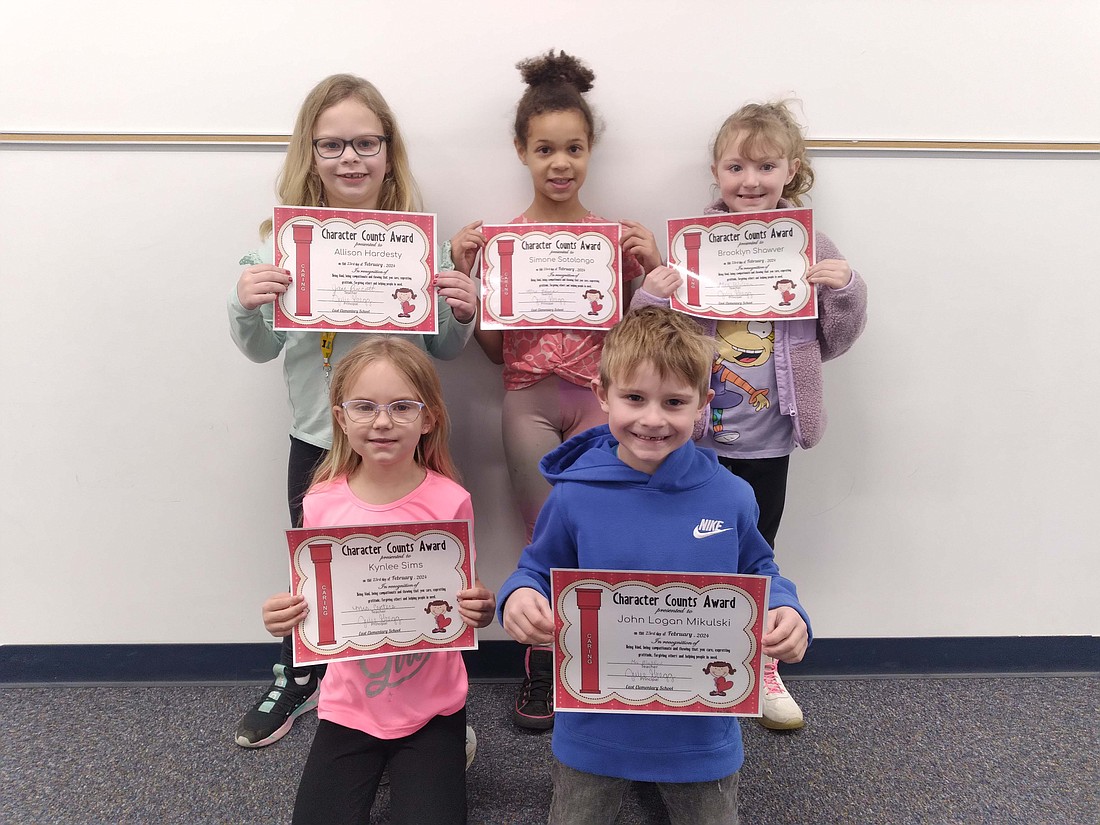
pixel 768 477
pixel 303 460
pixel 427 775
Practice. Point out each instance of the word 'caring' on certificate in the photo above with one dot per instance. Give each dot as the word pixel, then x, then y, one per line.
pixel 658 642
pixel 380 590
pixel 551 276
pixel 745 265
pixel 354 270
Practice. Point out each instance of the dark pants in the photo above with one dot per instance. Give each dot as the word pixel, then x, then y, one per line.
pixel 427 775
pixel 589 799
pixel 768 478
pixel 303 460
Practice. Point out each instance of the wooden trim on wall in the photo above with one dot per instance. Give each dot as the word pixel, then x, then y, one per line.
pixel 183 139
pixel 957 146
pixel 138 138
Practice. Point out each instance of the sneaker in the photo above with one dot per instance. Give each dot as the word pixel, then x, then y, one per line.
pixel 534 708
pixel 271 717
pixel 471 746
pixel 781 711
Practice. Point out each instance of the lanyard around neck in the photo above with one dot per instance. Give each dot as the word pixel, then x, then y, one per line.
pixel 326 353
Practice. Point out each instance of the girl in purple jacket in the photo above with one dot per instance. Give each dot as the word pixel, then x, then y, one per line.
pixel 767 374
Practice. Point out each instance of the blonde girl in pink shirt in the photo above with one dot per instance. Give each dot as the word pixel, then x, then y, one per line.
pixel 547 373
pixel 389 463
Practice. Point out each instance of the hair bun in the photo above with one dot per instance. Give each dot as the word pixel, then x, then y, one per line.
pixel 551 69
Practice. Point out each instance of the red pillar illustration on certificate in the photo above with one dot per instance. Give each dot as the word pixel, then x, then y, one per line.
pixel 303 237
pixel 588 602
pixel 692 242
pixel 320 553
pixel 506 248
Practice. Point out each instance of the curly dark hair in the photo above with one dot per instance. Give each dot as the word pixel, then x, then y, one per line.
pixel 555 83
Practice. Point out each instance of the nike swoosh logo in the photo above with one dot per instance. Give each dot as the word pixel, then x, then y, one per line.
pixel 702 534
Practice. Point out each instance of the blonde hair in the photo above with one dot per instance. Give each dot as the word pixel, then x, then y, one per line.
pixel 300 185
pixel 670 341
pixel 766 129
pixel 433 451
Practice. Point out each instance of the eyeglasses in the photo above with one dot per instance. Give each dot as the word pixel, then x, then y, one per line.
pixel 363 412
pixel 365 146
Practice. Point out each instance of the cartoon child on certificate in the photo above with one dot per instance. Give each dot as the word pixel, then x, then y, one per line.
pixel 437 609
pixel 719 671
pixel 406 297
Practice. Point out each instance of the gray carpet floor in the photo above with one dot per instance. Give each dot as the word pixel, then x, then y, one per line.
pixel 1007 750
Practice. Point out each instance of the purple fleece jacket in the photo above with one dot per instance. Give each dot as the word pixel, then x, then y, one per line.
pixel 802 345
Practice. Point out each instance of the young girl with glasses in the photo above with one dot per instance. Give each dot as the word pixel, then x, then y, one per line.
pixel 346 152
pixel 767 376
pixel 389 463
pixel 547 373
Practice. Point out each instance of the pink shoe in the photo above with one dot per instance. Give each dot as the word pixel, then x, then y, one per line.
pixel 781 711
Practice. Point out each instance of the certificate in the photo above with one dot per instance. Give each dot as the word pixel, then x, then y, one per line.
pixel 380 590
pixel 644 642
pixel 551 276
pixel 356 271
pixel 745 265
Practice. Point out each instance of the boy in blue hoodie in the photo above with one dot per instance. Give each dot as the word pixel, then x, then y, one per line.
pixel 638 495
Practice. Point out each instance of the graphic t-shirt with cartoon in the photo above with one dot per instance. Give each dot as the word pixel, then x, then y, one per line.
pixel 745 419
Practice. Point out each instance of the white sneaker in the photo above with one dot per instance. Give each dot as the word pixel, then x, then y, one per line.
pixel 471 746
pixel 781 711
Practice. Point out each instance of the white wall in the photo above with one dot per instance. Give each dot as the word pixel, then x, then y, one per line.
pixel 142 496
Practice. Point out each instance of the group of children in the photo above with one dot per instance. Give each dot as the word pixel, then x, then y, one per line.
pixel 594 424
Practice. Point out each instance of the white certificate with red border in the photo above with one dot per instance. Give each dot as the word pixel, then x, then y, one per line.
pixel 551 276
pixel 354 270
pixel 657 642
pixel 380 590
pixel 745 265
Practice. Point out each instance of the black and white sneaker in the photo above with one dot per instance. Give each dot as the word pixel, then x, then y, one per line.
pixel 534 708
pixel 289 696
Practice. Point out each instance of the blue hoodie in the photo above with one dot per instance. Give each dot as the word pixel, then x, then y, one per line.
pixel 605 515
